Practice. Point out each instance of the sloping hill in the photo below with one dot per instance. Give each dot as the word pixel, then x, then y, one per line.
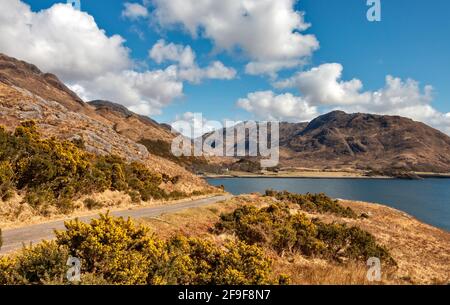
pixel 367 141
pixel 130 124
pixel 26 93
pixel 374 143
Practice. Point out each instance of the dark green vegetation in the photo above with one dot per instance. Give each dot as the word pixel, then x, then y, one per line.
pixel 51 173
pixel 116 251
pixel 283 230
pixel 316 203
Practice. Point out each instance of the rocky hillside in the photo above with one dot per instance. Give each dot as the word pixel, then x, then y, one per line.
pixel 26 93
pixel 366 141
pixel 130 124
pixel 374 143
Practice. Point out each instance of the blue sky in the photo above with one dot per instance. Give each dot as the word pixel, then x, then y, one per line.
pixel 411 42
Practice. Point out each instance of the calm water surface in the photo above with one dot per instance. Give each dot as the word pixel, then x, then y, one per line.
pixel 427 200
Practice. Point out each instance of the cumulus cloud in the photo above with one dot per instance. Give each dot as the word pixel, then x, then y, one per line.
pixel 323 85
pixel 69 43
pixel 142 92
pixel 163 51
pixel 266 105
pixel 404 98
pixel 134 11
pixel 60 39
pixel 216 70
pixel 188 69
pixel 267 31
pixel 322 88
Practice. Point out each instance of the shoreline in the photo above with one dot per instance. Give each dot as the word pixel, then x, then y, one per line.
pixel 298 177
pixel 322 175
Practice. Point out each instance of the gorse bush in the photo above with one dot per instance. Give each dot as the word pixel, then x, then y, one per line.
pixel 42 264
pixel 114 248
pixel 351 242
pixel 196 261
pixel 278 228
pixel 51 172
pixel 319 203
pixel 116 251
pixel 274 227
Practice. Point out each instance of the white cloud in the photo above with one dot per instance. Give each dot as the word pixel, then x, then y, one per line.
pixel 162 52
pixel 194 125
pixel 267 31
pixel 134 11
pixel 271 67
pixel 69 43
pixel 188 69
pixel 323 86
pixel 404 98
pixel 216 70
pixel 265 105
pixel 144 93
pixel 60 39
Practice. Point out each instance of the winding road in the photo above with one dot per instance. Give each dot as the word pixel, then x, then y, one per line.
pixel 14 239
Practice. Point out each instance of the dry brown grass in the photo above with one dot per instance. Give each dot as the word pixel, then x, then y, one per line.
pixel 17 213
pixel 194 221
pixel 422 252
pixel 319 272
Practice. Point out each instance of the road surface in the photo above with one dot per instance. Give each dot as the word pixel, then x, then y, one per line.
pixel 14 239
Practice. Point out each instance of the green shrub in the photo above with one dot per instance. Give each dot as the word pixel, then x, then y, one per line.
pixel 116 251
pixel 319 203
pixel 112 247
pixel 7 271
pixel 277 228
pixel 52 172
pixel 92 204
pixel 272 226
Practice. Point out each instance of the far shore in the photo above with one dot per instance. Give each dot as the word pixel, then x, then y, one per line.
pixel 316 175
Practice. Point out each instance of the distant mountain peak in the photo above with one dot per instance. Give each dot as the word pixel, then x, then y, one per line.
pixel 102 104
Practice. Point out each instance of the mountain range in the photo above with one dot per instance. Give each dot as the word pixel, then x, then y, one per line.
pixel 365 141
pixel 336 140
